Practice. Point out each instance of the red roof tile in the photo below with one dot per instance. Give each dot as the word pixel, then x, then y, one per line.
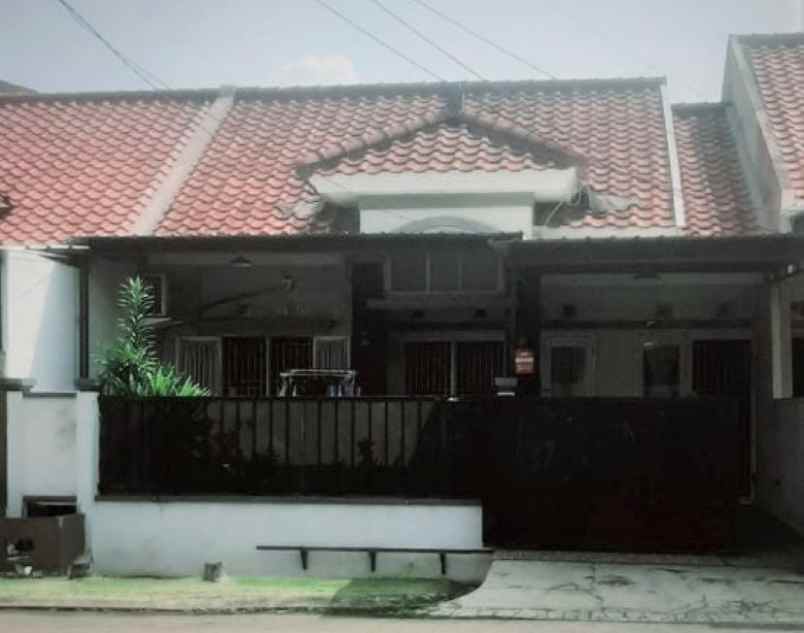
pixel 246 182
pixel 716 198
pixel 85 166
pixel 778 65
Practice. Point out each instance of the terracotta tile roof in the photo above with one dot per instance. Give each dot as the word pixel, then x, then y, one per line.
pixel 88 165
pixel 74 166
pixel 716 197
pixel 247 182
pixel 778 65
pixel 449 146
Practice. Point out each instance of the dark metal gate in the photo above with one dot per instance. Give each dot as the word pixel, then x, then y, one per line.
pixel 604 473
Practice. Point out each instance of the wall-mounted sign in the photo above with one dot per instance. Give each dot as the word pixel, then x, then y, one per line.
pixel 524 361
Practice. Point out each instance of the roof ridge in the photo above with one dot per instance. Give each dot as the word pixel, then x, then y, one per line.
pixel 494 124
pixel 342 89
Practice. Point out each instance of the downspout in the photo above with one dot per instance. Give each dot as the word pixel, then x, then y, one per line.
pixel 83 322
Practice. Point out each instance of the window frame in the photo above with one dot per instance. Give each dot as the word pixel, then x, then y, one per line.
pixel 388 276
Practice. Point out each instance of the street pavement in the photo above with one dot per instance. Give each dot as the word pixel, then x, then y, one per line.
pixel 46 622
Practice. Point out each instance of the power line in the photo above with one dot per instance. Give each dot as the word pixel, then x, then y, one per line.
pixel 426 39
pixel 148 77
pixel 379 41
pixel 485 39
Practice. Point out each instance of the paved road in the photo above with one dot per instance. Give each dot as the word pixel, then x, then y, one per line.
pixel 40 622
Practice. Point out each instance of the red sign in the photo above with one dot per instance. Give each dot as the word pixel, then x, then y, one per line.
pixel 524 362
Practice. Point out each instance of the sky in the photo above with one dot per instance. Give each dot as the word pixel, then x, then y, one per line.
pixel 208 43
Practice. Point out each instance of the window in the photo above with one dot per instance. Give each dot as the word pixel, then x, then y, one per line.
pixel 157 285
pixel 568 366
pixel 661 370
pixel 470 271
pixel 200 359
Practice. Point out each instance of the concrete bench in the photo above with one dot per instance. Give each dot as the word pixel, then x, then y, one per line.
pixel 304 552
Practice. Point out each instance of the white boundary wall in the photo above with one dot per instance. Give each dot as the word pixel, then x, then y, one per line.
pixel 780 474
pixel 175 538
pixel 41 445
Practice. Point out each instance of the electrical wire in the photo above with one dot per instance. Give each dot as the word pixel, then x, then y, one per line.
pixel 427 40
pixel 148 77
pixel 484 39
pixel 379 41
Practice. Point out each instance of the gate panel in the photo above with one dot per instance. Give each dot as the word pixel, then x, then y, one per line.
pixel 609 474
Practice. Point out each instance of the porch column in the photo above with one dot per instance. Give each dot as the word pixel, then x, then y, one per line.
pixel 528 317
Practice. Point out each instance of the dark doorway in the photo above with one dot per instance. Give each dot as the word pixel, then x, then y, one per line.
pixel 723 368
pixel 244 367
pixel 427 368
pixel 478 363
pixel 289 353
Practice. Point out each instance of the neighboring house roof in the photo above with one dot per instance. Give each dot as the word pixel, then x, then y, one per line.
pixel 716 197
pixel 777 62
pixel 247 181
pixel 84 165
pixel 6 87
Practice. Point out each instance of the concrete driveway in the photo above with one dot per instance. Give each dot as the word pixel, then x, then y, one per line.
pixel 703 592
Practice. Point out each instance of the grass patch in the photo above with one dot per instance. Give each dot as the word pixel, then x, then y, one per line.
pixel 231 593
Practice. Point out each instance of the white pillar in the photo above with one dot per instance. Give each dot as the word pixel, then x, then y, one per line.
pixel 781 340
pixel 16 454
pixel 87 457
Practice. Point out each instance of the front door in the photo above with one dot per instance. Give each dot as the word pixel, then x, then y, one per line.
pixel 244 367
pixel 723 368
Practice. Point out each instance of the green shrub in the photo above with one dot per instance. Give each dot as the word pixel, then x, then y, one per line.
pixel 131 367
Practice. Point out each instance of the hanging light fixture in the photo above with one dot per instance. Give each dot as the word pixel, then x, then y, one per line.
pixel 241 262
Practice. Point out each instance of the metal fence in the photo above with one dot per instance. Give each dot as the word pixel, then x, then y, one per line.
pixel 292 446
pixel 596 473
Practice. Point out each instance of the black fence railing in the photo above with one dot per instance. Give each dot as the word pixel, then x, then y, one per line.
pixel 280 446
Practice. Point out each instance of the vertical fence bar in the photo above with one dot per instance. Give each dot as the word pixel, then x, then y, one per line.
pixel 222 432
pixel 271 455
pixel 253 459
pixel 352 439
pixel 288 475
pixel 337 452
pixel 442 437
pixel 370 447
pixel 387 437
pixel 403 471
pixel 318 438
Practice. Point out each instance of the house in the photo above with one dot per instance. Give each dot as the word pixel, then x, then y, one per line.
pixel 644 254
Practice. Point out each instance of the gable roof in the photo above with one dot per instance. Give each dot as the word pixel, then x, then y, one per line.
pixel 777 64
pixel 716 196
pixel 247 181
pixel 74 165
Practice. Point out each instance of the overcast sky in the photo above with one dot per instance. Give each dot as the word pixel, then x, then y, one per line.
pixel 203 43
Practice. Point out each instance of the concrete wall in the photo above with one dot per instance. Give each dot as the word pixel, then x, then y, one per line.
pixel 176 538
pixel 780 472
pixel 41 448
pixel 40 320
